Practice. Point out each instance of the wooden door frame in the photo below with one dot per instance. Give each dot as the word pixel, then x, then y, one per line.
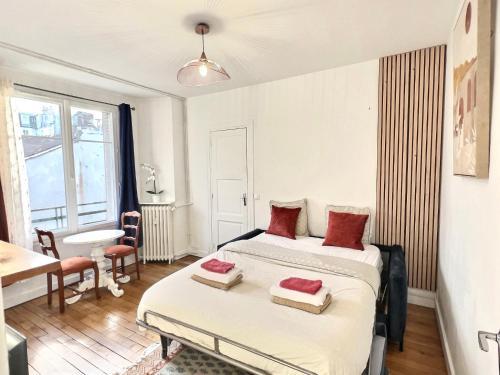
pixel 248 126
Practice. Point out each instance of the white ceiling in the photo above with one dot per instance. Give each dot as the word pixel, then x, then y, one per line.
pixel 146 41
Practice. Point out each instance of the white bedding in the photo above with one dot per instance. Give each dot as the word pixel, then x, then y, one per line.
pixel 336 342
pixel 371 254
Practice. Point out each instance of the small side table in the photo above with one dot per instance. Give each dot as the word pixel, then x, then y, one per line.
pixel 97 240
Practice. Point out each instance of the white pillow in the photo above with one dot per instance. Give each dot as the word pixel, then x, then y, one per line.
pixel 301 227
pixel 353 210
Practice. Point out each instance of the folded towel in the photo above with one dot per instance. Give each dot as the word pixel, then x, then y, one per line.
pixel 216 265
pixel 304 306
pixel 224 278
pixel 302 285
pixel 217 285
pixel 313 299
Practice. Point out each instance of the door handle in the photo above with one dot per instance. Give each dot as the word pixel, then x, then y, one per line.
pixel 483 338
pixel 244 197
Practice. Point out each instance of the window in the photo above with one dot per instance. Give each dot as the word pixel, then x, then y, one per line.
pixel 70 161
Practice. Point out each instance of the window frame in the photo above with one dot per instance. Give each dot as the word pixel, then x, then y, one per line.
pixel 65 104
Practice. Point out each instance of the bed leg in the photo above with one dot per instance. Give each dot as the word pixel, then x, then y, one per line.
pixel 165 343
pixel 401 346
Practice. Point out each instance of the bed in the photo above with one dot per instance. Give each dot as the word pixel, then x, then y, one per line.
pixel 243 327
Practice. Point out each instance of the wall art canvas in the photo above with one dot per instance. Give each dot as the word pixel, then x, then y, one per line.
pixel 471 89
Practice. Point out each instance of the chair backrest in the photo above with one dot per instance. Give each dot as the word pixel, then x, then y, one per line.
pixel 131 224
pixel 44 235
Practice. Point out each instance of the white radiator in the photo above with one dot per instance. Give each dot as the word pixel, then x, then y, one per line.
pixel 157 232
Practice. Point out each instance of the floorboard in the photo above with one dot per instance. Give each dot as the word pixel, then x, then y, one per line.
pixel 101 337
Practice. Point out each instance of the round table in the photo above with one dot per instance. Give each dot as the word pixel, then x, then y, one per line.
pixel 97 239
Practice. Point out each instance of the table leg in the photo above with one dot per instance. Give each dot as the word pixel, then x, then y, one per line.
pixel 105 280
pixel 60 291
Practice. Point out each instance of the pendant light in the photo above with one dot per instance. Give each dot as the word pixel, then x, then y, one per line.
pixel 202 71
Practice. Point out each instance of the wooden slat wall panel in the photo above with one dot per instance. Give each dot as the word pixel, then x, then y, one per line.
pixel 411 89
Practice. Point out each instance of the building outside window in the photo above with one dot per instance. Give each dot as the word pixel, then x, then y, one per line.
pixel 70 154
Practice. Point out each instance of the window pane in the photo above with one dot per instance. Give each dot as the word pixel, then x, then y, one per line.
pixel 94 165
pixel 40 124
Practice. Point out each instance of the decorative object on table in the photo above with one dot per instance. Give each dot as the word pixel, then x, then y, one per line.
pixel 155 193
pixel 202 71
pixel 471 89
pixel 131 225
pixel 180 360
pixel 128 183
pixel 96 239
pixel 69 266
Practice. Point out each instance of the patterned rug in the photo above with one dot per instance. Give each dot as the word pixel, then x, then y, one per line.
pixel 181 360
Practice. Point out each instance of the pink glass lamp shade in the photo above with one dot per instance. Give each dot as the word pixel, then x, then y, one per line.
pixel 202 71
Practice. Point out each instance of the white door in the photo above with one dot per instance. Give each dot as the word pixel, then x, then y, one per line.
pixel 229 184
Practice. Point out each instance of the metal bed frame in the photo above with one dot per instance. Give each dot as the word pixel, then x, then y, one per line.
pixel 166 339
pixel 375 365
pixel 215 352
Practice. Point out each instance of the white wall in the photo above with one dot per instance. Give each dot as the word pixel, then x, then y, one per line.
pixel 161 143
pixel 156 146
pixel 315 136
pixel 469 254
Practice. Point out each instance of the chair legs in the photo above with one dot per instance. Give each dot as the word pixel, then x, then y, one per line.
pixel 113 267
pixel 60 286
pixel 49 289
pixel 96 281
pixel 137 265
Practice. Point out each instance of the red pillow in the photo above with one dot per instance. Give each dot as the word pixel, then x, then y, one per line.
pixel 345 230
pixel 283 221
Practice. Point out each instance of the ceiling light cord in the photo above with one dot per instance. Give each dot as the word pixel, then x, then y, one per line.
pixel 203 41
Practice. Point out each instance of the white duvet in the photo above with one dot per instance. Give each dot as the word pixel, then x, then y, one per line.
pixel 371 254
pixel 337 341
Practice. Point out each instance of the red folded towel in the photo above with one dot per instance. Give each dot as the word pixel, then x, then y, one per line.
pixel 302 285
pixel 215 265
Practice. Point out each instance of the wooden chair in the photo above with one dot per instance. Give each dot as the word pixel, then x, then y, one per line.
pixel 69 266
pixel 131 224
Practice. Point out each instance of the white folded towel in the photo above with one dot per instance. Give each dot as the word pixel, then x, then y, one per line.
pixel 224 278
pixel 313 299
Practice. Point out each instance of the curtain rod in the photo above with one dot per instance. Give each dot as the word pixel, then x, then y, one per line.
pixel 67 95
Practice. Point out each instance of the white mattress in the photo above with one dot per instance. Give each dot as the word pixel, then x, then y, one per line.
pixel 336 342
pixel 371 254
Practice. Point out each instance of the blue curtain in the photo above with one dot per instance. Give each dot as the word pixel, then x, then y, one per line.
pixel 128 184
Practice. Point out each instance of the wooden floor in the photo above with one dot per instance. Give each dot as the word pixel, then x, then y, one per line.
pixel 101 337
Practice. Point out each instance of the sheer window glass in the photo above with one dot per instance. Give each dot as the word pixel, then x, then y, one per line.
pixel 70 161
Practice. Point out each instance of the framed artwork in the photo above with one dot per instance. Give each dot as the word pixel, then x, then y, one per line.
pixel 471 89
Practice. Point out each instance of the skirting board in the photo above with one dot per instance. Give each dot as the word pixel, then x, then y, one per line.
pixel 422 297
pixel 29 291
pixel 444 339
pixel 197 253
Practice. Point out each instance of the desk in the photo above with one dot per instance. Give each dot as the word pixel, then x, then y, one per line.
pixel 18 264
pixel 97 239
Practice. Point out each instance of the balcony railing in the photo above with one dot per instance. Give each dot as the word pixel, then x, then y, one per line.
pixel 57 215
